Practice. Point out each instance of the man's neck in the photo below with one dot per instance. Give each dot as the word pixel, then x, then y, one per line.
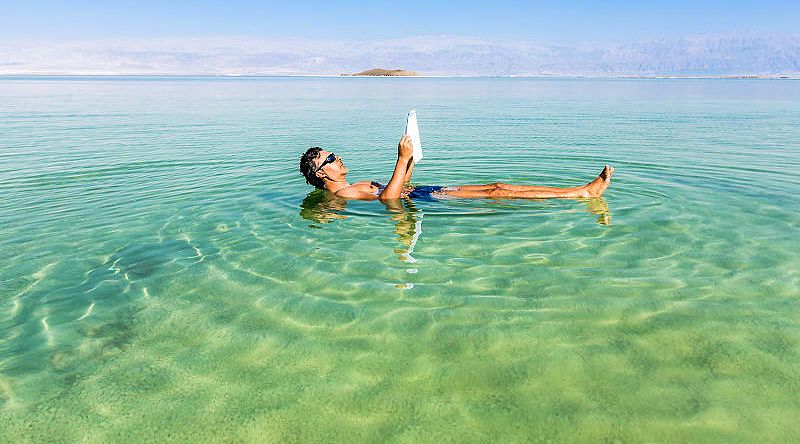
pixel 334 186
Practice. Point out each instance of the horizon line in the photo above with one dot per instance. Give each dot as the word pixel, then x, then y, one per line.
pixel 454 76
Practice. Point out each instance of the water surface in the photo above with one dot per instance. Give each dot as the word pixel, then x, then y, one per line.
pixel 166 274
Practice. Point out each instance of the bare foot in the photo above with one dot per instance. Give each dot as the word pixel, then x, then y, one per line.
pixel 598 186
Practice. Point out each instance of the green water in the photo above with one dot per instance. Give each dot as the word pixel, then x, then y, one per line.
pixel 165 274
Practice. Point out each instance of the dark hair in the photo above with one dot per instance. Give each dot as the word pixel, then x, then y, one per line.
pixel 309 169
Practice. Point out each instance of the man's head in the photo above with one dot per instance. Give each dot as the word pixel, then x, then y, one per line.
pixel 317 165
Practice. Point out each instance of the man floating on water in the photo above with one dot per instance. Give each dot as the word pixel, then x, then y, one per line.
pixel 325 170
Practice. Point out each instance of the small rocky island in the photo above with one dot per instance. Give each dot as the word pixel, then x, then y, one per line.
pixel 385 73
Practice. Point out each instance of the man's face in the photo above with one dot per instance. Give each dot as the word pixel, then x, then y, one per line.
pixel 333 170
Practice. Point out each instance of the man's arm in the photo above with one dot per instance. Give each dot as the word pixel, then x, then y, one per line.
pixel 409 170
pixel 394 188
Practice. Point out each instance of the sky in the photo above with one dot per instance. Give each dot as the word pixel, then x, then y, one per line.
pixel 551 21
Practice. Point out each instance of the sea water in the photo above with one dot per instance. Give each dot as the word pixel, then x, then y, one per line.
pixel 167 275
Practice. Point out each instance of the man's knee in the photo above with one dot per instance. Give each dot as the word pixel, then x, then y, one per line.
pixel 498 192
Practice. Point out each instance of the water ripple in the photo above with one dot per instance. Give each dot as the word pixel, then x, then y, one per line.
pixel 159 241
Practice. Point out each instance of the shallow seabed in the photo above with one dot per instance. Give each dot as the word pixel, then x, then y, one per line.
pixel 166 275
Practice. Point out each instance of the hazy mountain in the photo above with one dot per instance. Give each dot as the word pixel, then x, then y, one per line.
pixel 428 55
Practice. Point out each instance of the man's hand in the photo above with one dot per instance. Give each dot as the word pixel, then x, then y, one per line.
pixel 405 148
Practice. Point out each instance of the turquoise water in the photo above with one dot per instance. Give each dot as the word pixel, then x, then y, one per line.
pixel 166 274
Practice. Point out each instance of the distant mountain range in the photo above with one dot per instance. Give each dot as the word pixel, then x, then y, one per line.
pixel 705 55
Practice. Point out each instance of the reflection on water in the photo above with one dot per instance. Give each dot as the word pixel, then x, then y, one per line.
pixel 408 226
pixel 323 207
pixel 154 289
pixel 599 207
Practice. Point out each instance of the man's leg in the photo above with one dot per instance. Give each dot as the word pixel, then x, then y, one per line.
pixel 498 193
pixel 594 188
pixel 485 187
pixel 505 186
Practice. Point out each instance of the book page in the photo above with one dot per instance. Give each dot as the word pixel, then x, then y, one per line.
pixel 412 130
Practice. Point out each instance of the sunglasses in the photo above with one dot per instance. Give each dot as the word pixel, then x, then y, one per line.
pixel 330 159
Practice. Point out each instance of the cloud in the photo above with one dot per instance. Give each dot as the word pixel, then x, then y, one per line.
pixel 431 55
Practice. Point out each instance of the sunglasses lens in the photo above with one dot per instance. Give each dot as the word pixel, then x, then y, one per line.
pixel 330 159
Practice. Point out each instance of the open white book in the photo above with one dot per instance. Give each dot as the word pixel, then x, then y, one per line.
pixel 412 130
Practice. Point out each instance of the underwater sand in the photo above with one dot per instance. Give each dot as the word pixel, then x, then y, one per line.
pixel 167 275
